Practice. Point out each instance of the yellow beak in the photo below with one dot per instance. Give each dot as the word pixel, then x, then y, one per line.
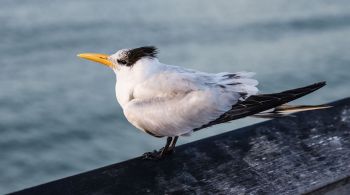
pixel 97 57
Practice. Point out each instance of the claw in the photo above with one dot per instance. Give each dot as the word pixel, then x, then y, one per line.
pixel 156 155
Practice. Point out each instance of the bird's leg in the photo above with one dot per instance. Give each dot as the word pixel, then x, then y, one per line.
pixel 164 151
pixel 172 145
pixel 155 155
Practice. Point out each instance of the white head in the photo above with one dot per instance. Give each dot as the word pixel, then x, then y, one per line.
pixel 124 58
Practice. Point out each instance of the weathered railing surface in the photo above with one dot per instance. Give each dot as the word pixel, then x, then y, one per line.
pixel 305 154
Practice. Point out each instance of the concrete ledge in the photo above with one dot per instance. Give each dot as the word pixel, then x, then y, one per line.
pixel 306 154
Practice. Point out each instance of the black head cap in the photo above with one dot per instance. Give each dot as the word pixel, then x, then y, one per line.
pixel 133 55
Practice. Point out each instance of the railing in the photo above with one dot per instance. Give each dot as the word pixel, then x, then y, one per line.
pixel 305 154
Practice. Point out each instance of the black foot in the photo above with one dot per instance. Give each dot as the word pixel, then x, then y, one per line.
pixel 157 155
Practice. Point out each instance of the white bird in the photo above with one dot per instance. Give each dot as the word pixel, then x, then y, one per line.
pixel 171 101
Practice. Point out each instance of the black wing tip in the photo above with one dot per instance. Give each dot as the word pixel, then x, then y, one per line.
pixel 307 89
pixel 318 85
pixel 321 84
pixel 283 97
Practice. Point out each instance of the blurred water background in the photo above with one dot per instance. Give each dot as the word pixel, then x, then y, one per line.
pixel 58 113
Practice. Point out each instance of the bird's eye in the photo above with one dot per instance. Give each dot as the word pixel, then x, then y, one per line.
pixel 121 61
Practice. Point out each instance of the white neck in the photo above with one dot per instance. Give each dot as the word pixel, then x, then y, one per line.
pixel 129 77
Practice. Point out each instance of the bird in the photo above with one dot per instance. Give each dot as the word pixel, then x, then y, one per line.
pixel 172 101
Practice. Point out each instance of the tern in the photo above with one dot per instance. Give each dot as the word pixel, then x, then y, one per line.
pixel 171 101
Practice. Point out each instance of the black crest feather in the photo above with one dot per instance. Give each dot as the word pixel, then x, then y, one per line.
pixel 135 54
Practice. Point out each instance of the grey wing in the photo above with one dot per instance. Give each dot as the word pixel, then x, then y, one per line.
pixel 259 103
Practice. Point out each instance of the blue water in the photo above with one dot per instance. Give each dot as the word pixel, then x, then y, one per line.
pixel 58 113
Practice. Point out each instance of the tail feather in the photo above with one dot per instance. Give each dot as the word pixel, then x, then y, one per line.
pixel 287 110
pixel 259 103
